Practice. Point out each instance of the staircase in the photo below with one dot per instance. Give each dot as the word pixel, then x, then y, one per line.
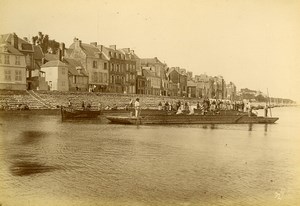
pixel 40 100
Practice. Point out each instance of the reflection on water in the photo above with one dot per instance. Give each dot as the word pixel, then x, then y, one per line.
pixel 43 160
pixel 30 137
pixel 23 168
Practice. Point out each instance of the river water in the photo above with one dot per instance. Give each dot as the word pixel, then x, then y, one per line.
pixel 44 161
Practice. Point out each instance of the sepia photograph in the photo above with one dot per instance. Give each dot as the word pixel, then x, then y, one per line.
pixel 149 102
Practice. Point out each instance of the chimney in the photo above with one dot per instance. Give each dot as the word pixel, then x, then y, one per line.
pixel 14 41
pixel 100 47
pixel 94 44
pixel 59 54
pixel 114 47
pixel 132 52
pixel 77 43
pixel 62 48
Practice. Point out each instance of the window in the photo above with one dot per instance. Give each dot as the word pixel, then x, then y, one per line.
pixel 95 77
pixel 63 71
pixel 7 75
pixel 105 66
pixel 100 77
pixel 95 64
pixel 105 78
pixel 6 59
pixel 18 75
pixel 74 79
pixel 17 60
pixel 112 67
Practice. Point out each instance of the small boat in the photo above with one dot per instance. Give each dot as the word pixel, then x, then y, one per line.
pixel 72 113
pixel 192 119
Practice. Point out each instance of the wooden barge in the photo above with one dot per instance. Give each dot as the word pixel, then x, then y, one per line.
pixel 192 119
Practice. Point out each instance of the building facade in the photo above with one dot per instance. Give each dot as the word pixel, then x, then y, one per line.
pixel 94 62
pixel 57 76
pixel 12 68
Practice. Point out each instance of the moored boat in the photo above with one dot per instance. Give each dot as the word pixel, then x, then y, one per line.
pixel 192 119
pixel 71 113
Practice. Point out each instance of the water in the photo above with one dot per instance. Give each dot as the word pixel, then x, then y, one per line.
pixel 46 162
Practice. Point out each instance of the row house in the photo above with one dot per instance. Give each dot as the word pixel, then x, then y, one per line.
pixel 95 63
pixel 218 87
pixel 64 74
pixel 122 70
pixel 157 69
pixel 32 54
pixel 203 85
pixel 12 68
pixel 231 91
pixel 142 85
pixel 132 64
pixel 153 85
pixel 177 77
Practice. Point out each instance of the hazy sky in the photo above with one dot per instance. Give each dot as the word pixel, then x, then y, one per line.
pixel 255 44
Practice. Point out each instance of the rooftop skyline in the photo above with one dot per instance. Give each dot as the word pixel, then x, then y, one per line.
pixel 255 44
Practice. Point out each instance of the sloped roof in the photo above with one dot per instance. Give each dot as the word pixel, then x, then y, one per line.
pixel 148 73
pixel 38 53
pixel 73 64
pixel 154 60
pixel 89 50
pixel 51 57
pixel 24 45
pixel 129 54
pixel 54 63
pixel 10 49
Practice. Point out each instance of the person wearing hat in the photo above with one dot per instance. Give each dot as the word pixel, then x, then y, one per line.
pixel 137 107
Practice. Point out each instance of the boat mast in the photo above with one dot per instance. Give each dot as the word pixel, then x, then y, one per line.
pixel 269 102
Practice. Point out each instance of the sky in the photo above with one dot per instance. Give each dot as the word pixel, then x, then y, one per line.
pixel 255 44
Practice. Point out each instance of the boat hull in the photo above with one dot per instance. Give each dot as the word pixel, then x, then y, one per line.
pixel 192 119
pixel 70 113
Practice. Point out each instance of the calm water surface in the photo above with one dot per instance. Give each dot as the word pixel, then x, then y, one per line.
pixel 44 161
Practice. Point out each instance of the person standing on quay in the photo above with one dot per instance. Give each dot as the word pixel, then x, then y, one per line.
pixel 137 107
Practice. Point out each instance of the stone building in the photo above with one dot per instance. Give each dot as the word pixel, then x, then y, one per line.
pixel 94 61
pixel 12 68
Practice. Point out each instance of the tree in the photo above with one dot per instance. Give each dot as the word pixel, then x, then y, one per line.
pixel 47 45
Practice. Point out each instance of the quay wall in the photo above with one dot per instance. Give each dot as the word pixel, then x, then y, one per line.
pixel 47 100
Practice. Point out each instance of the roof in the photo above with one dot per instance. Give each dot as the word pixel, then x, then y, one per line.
pixel 148 73
pixel 129 54
pixel 89 50
pixel 38 53
pixel 51 57
pixel 154 60
pixel 7 48
pixel 24 45
pixel 73 65
pixel 54 63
